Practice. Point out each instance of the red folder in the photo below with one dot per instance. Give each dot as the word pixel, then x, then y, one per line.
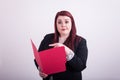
pixel 51 60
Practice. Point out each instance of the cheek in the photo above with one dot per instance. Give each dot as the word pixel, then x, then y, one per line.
pixel 58 27
pixel 69 27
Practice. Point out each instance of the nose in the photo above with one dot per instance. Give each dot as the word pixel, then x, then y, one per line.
pixel 63 24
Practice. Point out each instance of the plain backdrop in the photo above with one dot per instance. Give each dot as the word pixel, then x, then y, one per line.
pixel 98 21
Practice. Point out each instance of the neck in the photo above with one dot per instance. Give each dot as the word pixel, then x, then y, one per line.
pixel 64 36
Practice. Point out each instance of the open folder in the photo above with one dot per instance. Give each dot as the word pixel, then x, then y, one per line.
pixel 51 60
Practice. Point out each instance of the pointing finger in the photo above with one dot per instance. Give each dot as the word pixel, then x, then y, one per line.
pixel 52 44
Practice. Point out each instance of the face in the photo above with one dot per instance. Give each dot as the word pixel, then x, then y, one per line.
pixel 64 25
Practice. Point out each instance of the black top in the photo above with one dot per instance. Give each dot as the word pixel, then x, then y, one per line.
pixel 75 65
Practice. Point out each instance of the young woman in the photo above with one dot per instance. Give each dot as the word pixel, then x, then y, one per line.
pixel 75 47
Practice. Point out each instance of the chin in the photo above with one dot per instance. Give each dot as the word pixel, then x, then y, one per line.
pixel 65 33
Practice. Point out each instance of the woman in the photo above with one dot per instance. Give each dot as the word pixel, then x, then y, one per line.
pixel 75 47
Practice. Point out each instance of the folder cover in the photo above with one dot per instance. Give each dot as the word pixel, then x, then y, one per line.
pixel 51 60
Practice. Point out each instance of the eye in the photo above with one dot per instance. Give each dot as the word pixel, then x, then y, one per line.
pixel 66 22
pixel 59 22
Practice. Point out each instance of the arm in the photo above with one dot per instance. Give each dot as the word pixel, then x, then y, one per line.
pixel 78 62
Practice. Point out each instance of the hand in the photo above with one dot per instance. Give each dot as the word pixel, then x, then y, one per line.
pixel 67 50
pixel 43 75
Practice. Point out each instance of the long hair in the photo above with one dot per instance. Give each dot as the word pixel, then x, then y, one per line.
pixel 70 40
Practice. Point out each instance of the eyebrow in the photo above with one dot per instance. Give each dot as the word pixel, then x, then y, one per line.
pixel 65 19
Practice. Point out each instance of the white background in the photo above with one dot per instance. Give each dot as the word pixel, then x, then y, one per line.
pixel 96 20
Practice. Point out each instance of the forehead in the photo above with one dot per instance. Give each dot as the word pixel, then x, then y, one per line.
pixel 63 18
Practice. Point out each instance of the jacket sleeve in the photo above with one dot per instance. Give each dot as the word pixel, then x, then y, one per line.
pixel 78 62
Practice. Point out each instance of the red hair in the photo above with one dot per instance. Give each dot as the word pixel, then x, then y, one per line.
pixel 70 40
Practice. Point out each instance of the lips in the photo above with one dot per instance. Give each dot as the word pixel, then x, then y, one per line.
pixel 63 29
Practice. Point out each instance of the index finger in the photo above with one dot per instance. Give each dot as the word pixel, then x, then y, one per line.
pixel 54 44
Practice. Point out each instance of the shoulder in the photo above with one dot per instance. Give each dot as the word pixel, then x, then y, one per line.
pixel 80 44
pixel 49 36
pixel 80 39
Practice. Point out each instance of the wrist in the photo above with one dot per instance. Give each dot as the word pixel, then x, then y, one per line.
pixel 70 55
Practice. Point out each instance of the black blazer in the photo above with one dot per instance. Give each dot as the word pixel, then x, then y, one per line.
pixel 75 65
